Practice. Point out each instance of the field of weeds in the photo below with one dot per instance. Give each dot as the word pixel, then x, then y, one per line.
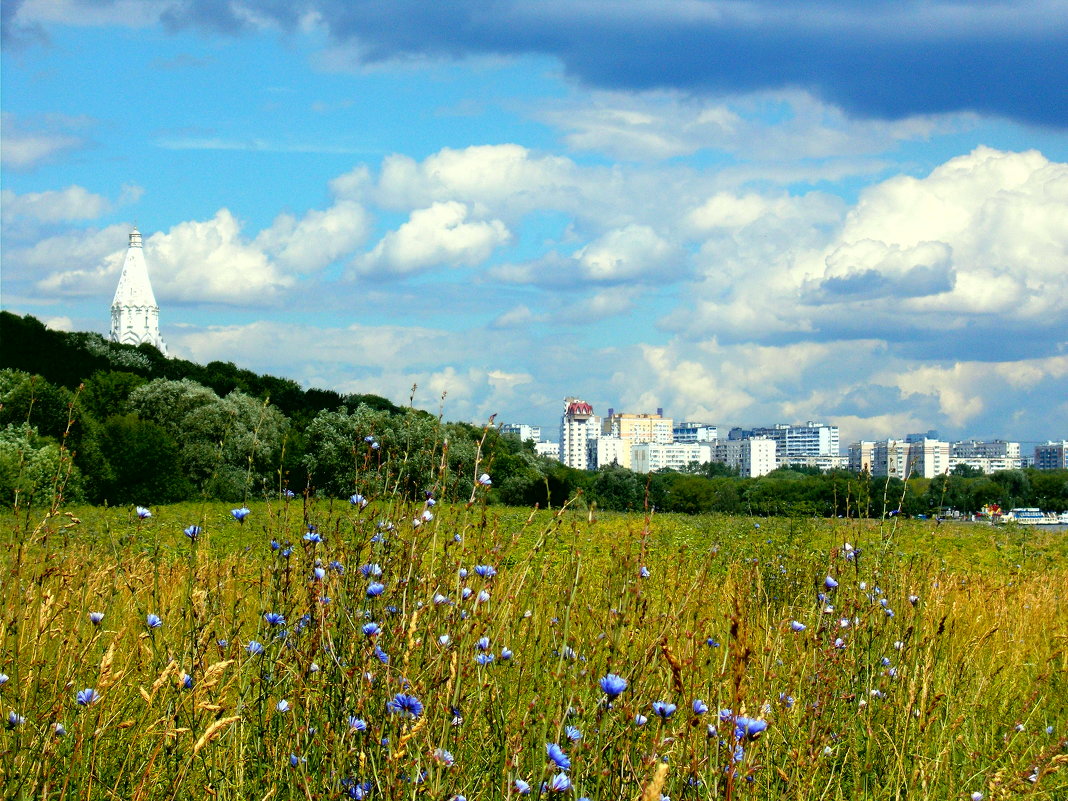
pixel 381 650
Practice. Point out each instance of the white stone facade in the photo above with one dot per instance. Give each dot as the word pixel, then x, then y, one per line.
pixel 134 313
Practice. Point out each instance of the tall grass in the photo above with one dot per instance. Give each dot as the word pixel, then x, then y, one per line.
pixel 961 689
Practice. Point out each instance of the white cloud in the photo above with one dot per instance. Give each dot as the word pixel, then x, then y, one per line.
pixel 633 252
pixel 440 235
pixel 30 141
pixel 318 239
pixel 53 205
pixel 516 317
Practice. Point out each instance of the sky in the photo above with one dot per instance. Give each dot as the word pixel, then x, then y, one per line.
pixel 744 213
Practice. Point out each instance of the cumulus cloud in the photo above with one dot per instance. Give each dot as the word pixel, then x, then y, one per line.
pixel 628 253
pixel 318 239
pixel 439 235
pixel 53 205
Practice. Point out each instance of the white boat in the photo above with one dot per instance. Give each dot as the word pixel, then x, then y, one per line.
pixel 1030 516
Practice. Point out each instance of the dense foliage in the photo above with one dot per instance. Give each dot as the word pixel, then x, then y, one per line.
pixel 116 424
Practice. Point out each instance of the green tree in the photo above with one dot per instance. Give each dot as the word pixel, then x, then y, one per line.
pixel 143 463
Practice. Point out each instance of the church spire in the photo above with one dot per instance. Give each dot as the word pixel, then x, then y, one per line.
pixel 134 313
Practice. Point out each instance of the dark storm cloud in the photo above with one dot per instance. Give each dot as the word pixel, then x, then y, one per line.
pixel 875 59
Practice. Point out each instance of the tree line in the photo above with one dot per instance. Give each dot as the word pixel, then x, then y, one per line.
pixel 117 424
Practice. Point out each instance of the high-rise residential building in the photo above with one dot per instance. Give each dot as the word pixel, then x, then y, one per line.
pixel 636 428
pixel 134 313
pixel 523 431
pixel 798 443
pixel 648 457
pixel 578 425
pixel 900 458
pixel 752 457
pixel 1052 455
pixel 694 432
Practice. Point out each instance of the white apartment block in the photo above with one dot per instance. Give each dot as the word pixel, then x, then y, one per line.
pixel 549 449
pixel 606 450
pixel 800 441
pixel 523 431
pixel 752 457
pixel 648 457
pixel 899 458
pixel 986 456
pixel 577 427
pixel 694 432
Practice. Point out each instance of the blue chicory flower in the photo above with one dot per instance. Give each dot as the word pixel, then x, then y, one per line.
pixel 153 621
pixel 142 512
pixel 374 589
pixel 87 696
pixel 663 709
pixel 406 704
pixel 241 514
pixel 557 755
pixel 613 685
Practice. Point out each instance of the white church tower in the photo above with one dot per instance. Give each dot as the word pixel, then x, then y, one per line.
pixel 134 313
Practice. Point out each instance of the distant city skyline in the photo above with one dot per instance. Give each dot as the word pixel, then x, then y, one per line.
pixel 844 213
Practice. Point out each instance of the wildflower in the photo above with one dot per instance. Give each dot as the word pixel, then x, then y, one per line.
pixel 187 681
pixel 889 612
pixel 797 625
pixel 483 643
pixel 358 500
pixel 14 719
pixel 193 532
pixel 142 512
pixel 371 629
pixel 663 709
pixel 1049 730
pixel 486 571
pixel 573 733
pixel 440 599
pixel 699 707
pixel 254 648
pixel 466 593
pixel 640 719
pixel 87 696
pixel 407 704
pixel 337 567
pixel 559 783
pixel 318 573
pixel 357 724
pixel 288 494
pixel 444 757
pixel 482 597
pixel 381 655
pixel 557 755
pixel 786 700
pixel 443 639
pixel 274 618
pixel 375 588
pixel 506 654
pixel 485 480
pixel 484 659
pixel 830 583
pixel 294 760
pixel 96 618
pixel 60 730
pixel 839 643
pixel 977 796
pixel 153 621
pixel 712 642
pixel 613 685
pixel 373 569
pixel 313 667
pixel 313 535
pixel 644 572
pixel 241 514
pixel 748 728
pixel 914 599
pixel 282 706
pixel 522 787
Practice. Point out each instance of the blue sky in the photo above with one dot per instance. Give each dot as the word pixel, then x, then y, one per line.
pixel 744 213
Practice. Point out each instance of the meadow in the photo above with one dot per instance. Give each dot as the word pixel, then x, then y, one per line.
pixel 383 649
